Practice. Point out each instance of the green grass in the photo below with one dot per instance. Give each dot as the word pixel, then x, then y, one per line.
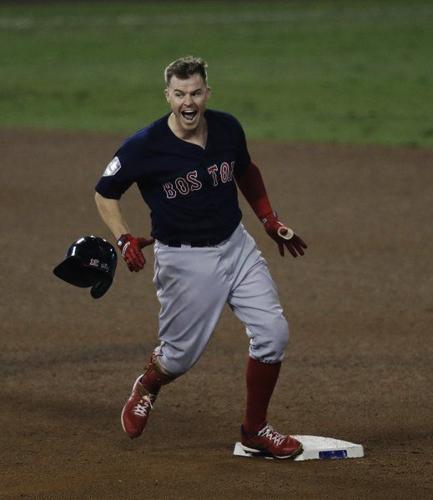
pixel 344 71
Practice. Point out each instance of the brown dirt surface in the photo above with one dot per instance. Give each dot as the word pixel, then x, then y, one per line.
pixel 359 365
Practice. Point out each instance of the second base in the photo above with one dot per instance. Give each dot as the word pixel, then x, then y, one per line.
pixel 316 448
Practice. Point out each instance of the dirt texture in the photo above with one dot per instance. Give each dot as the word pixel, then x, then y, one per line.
pixel 360 360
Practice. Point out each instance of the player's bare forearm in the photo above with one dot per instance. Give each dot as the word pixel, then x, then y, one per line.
pixel 110 213
pixel 129 246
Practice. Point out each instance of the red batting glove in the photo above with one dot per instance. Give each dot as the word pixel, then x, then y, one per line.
pixel 131 250
pixel 283 235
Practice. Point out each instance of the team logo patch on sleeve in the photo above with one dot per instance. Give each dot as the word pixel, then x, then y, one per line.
pixel 112 168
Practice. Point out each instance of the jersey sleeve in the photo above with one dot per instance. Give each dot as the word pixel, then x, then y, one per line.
pixel 121 172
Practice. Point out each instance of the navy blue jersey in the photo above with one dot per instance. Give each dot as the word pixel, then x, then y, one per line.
pixel 191 191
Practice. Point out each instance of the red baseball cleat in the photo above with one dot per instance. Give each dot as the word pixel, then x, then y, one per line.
pixel 270 443
pixel 136 411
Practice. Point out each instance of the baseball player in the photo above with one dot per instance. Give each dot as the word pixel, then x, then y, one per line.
pixel 187 165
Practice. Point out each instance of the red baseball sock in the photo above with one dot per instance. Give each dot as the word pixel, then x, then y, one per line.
pixel 261 380
pixel 153 378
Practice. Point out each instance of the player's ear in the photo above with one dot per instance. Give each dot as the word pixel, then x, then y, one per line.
pixel 166 94
pixel 209 92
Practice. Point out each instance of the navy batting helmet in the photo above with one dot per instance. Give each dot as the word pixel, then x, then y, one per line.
pixel 90 262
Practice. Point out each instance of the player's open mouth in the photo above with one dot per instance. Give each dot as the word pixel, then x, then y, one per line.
pixel 189 115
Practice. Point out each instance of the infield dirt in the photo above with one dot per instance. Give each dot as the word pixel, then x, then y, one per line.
pixel 359 365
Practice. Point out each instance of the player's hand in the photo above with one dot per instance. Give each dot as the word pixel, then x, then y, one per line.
pixel 283 236
pixel 130 248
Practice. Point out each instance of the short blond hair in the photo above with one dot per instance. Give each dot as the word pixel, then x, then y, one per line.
pixel 185 67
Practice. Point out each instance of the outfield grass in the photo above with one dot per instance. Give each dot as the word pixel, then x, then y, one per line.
pixel 344 71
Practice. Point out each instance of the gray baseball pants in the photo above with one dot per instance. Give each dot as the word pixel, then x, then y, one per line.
pixel 194 283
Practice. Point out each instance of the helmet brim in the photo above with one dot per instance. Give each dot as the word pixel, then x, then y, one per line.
pixel 72 271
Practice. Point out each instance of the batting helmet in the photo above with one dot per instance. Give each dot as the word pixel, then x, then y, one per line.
pixel 90 262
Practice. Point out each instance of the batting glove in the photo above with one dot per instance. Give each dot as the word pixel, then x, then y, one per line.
pixel 283 235
pixel 130 248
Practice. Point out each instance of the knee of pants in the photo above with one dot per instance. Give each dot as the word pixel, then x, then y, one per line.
pixel 173 363
pixel 270 347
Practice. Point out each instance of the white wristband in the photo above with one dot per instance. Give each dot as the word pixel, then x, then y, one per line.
pixel 288 233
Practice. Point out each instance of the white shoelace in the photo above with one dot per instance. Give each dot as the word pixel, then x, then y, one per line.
pixel 141 409
pixel 274 436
